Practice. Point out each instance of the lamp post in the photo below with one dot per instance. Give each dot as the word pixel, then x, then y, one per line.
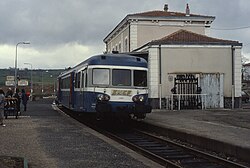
pixel 49 83
pixel 16 62
pixel 42 79
pixel 54 85
pixel 31 82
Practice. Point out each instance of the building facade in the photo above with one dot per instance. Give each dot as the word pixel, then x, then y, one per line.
pixel 187 68
pixel 137 29
pixel 185 56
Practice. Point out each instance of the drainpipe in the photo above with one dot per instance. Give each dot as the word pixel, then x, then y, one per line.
pixel 233 87
pixel 129 38
pixel 160 86
pixel 106 47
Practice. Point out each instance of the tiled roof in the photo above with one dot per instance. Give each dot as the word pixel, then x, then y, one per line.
pixel 160 15
pixel 163 14
pixel 188 37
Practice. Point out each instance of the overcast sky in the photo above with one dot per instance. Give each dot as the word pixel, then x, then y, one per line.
pixel 63 33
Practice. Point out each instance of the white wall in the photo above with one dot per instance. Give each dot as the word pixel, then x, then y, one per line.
pixel 153 72
pixel 193 59
pixel 237 72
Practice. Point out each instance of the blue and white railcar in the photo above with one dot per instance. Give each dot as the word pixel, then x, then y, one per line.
pixel 108 85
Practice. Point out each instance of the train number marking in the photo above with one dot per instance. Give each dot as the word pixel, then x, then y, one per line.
pixel 121 92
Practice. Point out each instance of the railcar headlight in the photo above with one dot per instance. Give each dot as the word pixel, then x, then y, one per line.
pixel 103 97
pixel 138 98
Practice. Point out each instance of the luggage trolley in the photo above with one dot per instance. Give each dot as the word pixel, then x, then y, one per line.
pixel 10 107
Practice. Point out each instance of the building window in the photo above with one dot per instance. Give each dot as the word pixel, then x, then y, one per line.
pixel 116 47
pixel 120 47
pixel 126 45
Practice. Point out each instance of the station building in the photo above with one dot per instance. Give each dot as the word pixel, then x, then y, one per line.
pixel 187 68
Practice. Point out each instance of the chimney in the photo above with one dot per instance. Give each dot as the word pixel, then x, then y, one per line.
pixel 166 7
pixel 187 10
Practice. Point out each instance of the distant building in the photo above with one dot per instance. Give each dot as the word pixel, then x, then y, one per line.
pixel 246 76
pixel 183 60
pixel 246 72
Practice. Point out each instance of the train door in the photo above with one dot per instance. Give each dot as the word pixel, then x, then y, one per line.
pixel 82 90
pixel 71 93
pixel 59 86
pixel 77 96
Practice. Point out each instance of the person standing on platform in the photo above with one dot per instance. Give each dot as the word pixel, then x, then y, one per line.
pixel 9 93
pixel 2 107
pixel 24 100
pixel 17 95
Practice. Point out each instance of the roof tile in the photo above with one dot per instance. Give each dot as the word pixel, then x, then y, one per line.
pixel 163 14
pixel 188 37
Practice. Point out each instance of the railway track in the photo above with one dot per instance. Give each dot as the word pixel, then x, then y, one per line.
pixel 163 151
pixel 169 153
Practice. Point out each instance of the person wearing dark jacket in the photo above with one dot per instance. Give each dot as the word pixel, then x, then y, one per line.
pixel 17 95
pixel 9 93
pixel 24 100
pixel 1 107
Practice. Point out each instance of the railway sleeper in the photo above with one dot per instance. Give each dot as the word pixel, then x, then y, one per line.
pixel 163 151
pixel 150 145
pixel 178 157
pixel 201 165
pixel 139 141
pixel 163 148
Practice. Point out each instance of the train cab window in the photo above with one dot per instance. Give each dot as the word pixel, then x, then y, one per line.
pixel 140 78
pixel 100 76
pixel 121 77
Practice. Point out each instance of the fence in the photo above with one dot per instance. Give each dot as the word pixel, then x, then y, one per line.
pixel 185 101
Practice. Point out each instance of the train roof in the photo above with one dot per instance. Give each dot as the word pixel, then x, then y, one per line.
pixel 116 60
pixel 111 59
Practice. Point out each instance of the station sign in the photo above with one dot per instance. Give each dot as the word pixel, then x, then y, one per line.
pixel 9 83
pixel 10 78
pixel 23 83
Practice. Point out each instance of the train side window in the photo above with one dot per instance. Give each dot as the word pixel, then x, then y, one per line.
pixel 121 77
pixel 61 83
pixel 66 83
pixel 78 79
pixel 100 76
pixel 84 79
pixel 140 78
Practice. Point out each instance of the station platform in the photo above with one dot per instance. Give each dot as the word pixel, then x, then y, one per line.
pixel 46 138
pixel 222 130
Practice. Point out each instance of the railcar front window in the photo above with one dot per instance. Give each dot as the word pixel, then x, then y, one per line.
pixel 140 78
pixel 101 76
pixel 121 77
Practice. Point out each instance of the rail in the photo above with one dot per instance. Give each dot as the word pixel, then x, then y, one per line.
pixel 185 101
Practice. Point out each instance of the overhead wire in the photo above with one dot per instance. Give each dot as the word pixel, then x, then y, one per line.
pixel 235 28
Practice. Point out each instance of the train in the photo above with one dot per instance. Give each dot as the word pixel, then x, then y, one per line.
pixel 107 85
